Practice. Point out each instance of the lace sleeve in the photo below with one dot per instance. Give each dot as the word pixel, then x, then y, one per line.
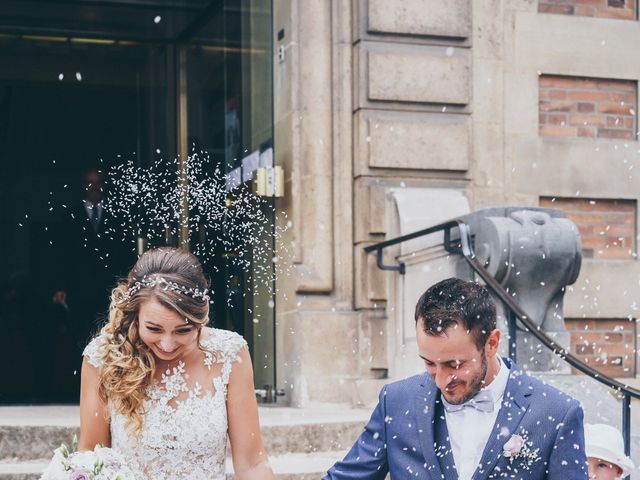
pixel 226 347
pixel 93 353
pixel 233 344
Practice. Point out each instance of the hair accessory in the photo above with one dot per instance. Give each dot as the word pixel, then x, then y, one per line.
pixel 154 281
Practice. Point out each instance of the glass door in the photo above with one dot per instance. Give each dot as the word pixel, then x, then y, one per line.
pixel 68 111
pixel 230 122
pixel 86 86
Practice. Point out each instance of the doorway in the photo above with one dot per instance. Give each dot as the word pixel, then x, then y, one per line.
pixel 92 85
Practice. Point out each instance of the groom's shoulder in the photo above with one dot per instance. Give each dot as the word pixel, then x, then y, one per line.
pixel 542 393
pixel 406 385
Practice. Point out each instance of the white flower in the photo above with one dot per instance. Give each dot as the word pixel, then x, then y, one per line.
pixel 83 459
pixel 518 447
pixel 513 446
pixel 101 464
pixel 56 468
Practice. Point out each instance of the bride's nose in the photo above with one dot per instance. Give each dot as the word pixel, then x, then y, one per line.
pixel 167 344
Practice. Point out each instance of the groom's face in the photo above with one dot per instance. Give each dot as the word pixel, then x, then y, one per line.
pixel 454 362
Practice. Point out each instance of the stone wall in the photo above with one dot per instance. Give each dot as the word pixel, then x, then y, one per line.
pixel 590 177
pixel 412 111
pixel 373 96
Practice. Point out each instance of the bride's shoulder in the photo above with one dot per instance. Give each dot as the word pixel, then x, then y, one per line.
pixel 93 350
pixel 222 342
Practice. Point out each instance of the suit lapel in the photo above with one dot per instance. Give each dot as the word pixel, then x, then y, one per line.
pixel 515 403
pixel 426 403
pixel 443 444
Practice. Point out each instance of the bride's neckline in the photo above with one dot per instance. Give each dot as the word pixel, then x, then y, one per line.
pixel 173 391
pixel 170 379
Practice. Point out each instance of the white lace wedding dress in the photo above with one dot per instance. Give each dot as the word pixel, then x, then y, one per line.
pixel 184 435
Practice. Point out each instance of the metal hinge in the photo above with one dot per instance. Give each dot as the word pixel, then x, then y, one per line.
pixel 268 394
pixel 269 181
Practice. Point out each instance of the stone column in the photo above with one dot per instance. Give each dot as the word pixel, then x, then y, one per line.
pixel 319 333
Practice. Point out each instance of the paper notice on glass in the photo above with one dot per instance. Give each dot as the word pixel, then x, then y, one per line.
pixel 250 165
pixel 266 158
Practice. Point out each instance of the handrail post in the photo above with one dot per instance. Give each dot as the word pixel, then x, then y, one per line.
pixel 513 331
pixel 400 268
pixel 626 425
pixel 626 422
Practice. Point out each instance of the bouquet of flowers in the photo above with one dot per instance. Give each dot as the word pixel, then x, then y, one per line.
pixel 100 464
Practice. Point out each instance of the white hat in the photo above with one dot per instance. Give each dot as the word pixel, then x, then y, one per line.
pixel 605 442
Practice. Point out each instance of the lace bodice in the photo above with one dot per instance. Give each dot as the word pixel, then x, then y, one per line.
pixel 184 434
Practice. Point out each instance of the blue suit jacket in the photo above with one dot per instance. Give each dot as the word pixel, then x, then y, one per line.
pixel 407 435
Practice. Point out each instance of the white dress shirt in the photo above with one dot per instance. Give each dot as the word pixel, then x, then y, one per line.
pixel 469 429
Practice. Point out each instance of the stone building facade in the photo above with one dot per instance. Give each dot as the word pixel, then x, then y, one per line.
pixel 391 115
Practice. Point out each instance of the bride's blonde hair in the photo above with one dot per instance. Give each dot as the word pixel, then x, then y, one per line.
pixel 175 279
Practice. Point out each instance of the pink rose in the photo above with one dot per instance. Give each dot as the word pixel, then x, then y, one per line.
pixel 513 446
pixel 80 474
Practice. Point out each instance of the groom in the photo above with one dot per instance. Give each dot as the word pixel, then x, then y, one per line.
pixel 473 415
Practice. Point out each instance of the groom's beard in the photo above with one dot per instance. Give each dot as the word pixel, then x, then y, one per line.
pixel 475 384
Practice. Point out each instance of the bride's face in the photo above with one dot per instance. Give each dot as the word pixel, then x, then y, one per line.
pixel 165 332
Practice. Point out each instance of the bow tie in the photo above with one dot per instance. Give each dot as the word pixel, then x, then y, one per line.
pixel 483 402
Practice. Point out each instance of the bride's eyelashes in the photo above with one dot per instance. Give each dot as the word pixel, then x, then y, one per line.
pixel 182 331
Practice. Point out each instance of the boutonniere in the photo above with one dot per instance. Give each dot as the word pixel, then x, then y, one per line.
pixel 519 447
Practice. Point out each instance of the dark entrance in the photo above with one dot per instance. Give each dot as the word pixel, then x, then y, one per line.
pixel 88 84
pixel 50 135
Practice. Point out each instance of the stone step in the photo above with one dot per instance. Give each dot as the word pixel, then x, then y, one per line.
pixel 290 466
pixel 302 466
pixel 22 470
pixel 29 433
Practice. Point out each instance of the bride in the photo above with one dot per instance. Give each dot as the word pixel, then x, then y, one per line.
pixel 161 388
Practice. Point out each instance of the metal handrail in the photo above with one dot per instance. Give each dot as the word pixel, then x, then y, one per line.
pixel 464 247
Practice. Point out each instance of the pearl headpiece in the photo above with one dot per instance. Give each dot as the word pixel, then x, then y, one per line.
pixel 154 281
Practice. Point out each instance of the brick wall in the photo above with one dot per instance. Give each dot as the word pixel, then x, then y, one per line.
pixel 587 107
pixel 607 227
pixel 624 9
pixel 608 345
